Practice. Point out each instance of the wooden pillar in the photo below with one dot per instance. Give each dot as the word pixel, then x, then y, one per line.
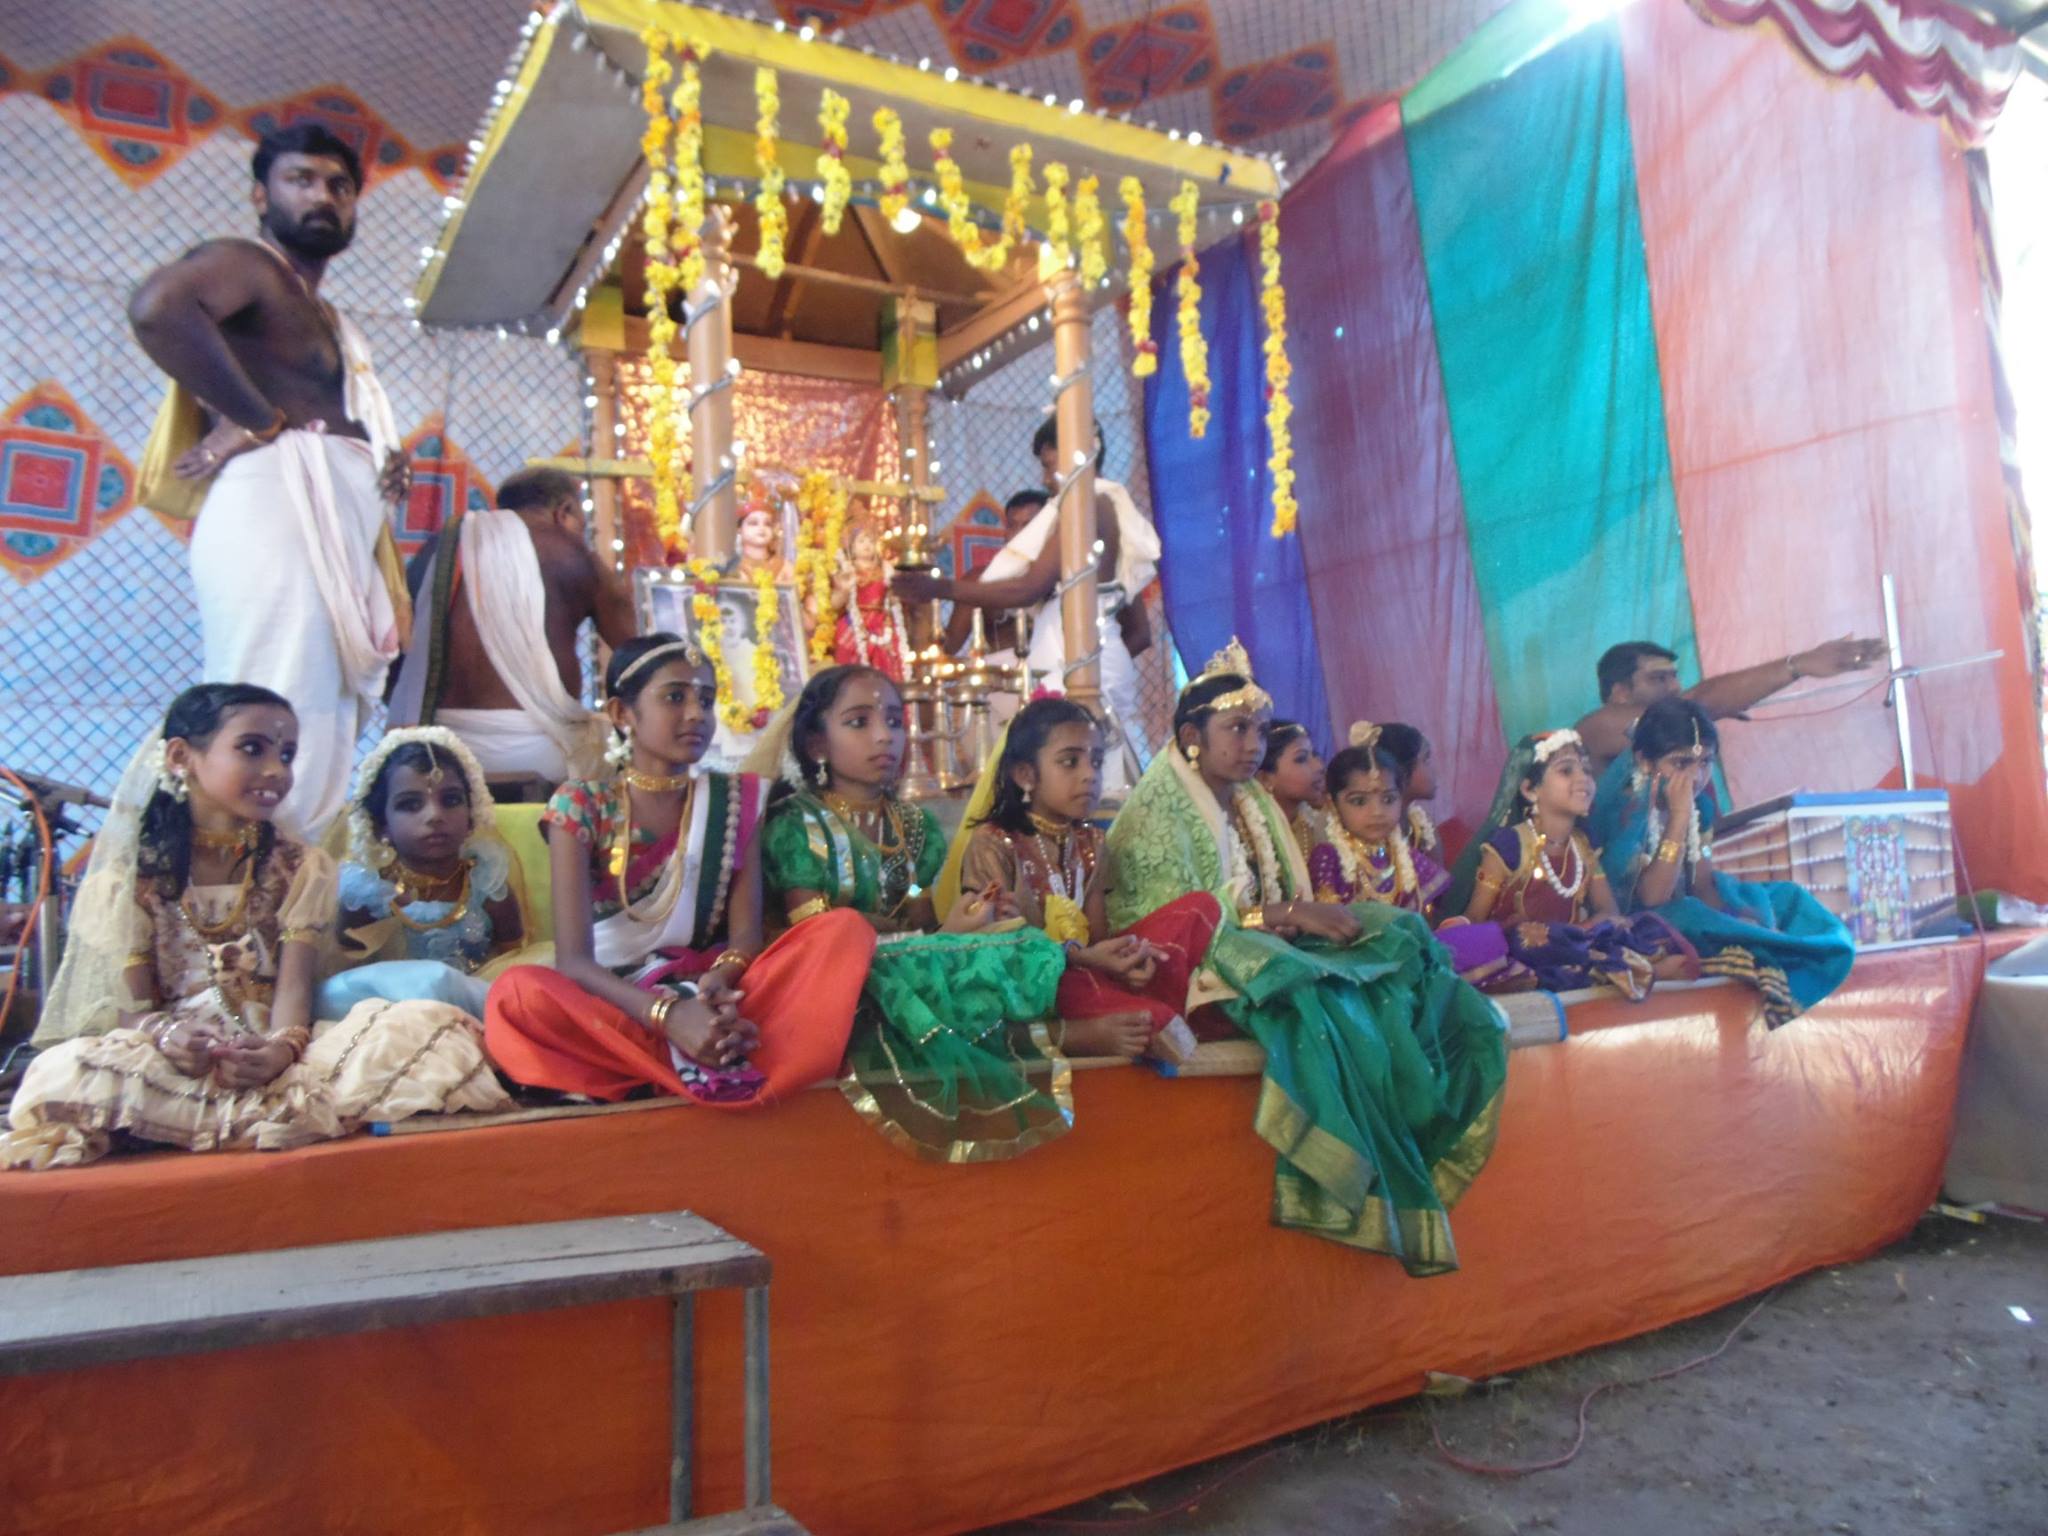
pixel 607 523
pixel 709 348
pixel 1080 619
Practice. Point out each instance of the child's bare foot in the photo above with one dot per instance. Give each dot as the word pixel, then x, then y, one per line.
pixel 1114 1034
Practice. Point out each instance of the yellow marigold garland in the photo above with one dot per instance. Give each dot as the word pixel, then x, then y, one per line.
pixel 710 636
pixel 767 665
pixel 1279 406
pixel 1145 362
pixel 821 527
pixel 661 283
pixel 774 217
pixel 1055 254
pixel 832 171
pixel 1194 351
pixel 989 254
pixel 1088 232
pixel 688 102
pixel 895 169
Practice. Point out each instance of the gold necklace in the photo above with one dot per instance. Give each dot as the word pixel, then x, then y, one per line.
pixel 622 850
pixel 241 840
pixel 1059 849
pixel 412 886
pixel 887 833
pixel 229 927
pixel 656 783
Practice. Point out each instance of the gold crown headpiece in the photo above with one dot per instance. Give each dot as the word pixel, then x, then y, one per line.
pixel 1233 661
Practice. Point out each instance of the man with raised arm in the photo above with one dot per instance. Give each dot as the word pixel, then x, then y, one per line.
pixel 286 433
pixel 498 600
pixel 1637 673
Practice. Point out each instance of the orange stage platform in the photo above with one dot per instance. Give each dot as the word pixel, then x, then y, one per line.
pixel 954 1346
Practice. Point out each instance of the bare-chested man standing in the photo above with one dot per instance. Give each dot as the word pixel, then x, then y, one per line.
pixel 499 598
pixel 286 554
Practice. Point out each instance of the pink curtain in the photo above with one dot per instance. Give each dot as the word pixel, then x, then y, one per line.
pixel 1829 406
pixel 1930 57
pixel 1383 521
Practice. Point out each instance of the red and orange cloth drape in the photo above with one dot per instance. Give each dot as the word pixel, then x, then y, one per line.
pixel 1654 336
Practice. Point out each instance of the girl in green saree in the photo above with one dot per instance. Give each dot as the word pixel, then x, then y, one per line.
pixel 949 1058
pixel 1384 1071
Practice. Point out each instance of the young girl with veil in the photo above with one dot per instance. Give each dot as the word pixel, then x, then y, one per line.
pixel 427 897
pixel 1026 832
pixel 1534 872
pixel 1384 1071
pixel 1653 820
pixel 663 981
pixel 951 1058
pixel 182 1012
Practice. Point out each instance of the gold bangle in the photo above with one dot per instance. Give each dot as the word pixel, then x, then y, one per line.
pixel 1669 852
pixel 658 1011
pixel 738 959
pixel 298 1037
pixel 1256 918
pixel 270 433
pixel 810 908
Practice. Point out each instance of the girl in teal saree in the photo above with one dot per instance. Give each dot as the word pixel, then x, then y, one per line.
pixel 1653 817
pixel 1384 1071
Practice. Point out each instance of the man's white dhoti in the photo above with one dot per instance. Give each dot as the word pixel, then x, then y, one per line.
pixel 507 743
pixel 550 734
pixel 291 597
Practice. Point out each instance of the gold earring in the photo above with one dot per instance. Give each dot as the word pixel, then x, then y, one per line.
pixel 1027 794
pixel 1195 753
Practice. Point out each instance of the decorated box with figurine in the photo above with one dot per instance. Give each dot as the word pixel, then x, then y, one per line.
pixel 1882 861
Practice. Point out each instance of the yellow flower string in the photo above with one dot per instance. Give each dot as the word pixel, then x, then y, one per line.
pixel 689 176
pixel 895 169
pixel 1145 361
pixel 661 284
pixel 1088 232
pixel 1055 255
pixel 821 525
pixel 774 217
pixel 1279 406
pixel 1194 351
pixel 710 636
pixel 989 254
pixel 767 665
pixel 832 171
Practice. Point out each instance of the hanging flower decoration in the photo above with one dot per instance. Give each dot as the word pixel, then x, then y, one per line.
pixel 661 285
pixel 1194 351
pixel 1279 404
pixel 820 528
pixel 1055 254
pixel 774 217
pixel 895 169
pixel 1145 361
pixel 689 175
pixel 767 665
pixel 1088 232
pixel 710 635
pixel 832 171
pixel 983 252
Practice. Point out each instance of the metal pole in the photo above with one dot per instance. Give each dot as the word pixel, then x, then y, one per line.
pixel 757 1397
pixel 707 337
pixel 683 1407
pixel 1074 411
pixel 1898 659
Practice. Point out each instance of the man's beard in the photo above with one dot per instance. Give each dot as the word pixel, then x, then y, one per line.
pixel 318 238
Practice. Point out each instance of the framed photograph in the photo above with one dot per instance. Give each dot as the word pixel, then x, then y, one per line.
pixel 663 598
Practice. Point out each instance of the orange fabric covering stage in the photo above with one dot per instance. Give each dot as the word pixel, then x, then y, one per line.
pixel 959 1345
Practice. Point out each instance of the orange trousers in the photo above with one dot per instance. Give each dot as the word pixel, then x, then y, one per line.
pixel 543 1030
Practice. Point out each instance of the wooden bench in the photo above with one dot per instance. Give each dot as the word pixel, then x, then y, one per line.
pixel 75 1318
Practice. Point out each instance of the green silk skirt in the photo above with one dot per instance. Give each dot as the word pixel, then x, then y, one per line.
pixel 1383 1082
pixel 950 1059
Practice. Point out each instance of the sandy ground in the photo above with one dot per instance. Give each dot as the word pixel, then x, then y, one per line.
pixel 1897 1397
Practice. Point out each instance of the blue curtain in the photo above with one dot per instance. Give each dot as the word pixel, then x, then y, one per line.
pixel 1221 571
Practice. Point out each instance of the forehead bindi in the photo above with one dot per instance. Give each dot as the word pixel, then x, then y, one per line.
pixel 864 696
pixel 260 722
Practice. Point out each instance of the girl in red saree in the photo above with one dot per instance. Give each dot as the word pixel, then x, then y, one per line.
pixel 661 980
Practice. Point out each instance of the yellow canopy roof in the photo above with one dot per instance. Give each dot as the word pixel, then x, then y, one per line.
pixel 556 170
